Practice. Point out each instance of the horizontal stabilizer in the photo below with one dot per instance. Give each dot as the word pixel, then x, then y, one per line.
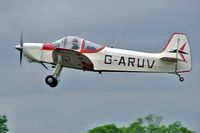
pixel 171 58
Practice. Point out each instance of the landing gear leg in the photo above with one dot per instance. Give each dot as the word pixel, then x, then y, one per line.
pixel 181 79
pixel 52 80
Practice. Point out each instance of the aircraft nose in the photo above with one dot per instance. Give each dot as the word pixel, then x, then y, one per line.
pixel 18 47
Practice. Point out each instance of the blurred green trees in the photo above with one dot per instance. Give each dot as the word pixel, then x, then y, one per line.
pixel 149 124
pixel 3 126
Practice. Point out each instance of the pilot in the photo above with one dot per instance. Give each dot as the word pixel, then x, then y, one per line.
pixel 75 45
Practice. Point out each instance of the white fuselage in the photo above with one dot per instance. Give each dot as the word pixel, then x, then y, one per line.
pixel 108 59
pixel 112 59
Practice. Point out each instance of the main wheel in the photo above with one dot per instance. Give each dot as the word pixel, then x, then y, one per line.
pixel 51 81
pixel 181 79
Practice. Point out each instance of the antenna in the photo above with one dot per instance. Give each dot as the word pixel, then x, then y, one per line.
pixel 116 42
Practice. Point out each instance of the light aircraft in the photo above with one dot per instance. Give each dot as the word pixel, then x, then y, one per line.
pixel 78 53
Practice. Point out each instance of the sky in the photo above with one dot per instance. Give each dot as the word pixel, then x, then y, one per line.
pixel 84 100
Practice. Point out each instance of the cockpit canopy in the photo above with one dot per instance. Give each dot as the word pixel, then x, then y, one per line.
pixel 77 44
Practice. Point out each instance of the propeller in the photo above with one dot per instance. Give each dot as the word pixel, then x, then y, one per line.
pixel 20 48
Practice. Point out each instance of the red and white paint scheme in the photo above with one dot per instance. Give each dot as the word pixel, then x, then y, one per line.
pixel 78 53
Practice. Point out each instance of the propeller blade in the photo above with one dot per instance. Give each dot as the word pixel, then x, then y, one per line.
pixel 21 40
pixel 20 58
pixel 21 48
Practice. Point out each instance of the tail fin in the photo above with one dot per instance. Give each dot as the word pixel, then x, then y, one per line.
pixel 178 50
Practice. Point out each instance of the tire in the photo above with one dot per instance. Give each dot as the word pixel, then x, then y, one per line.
pixel 51 81
pixel 181 79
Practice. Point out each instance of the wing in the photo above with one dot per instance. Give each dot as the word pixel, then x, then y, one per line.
pixel 72 59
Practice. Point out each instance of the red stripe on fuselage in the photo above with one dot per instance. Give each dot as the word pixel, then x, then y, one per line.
pixel 48 46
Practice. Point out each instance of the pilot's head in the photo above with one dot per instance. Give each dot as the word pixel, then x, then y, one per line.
pixel 75 42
